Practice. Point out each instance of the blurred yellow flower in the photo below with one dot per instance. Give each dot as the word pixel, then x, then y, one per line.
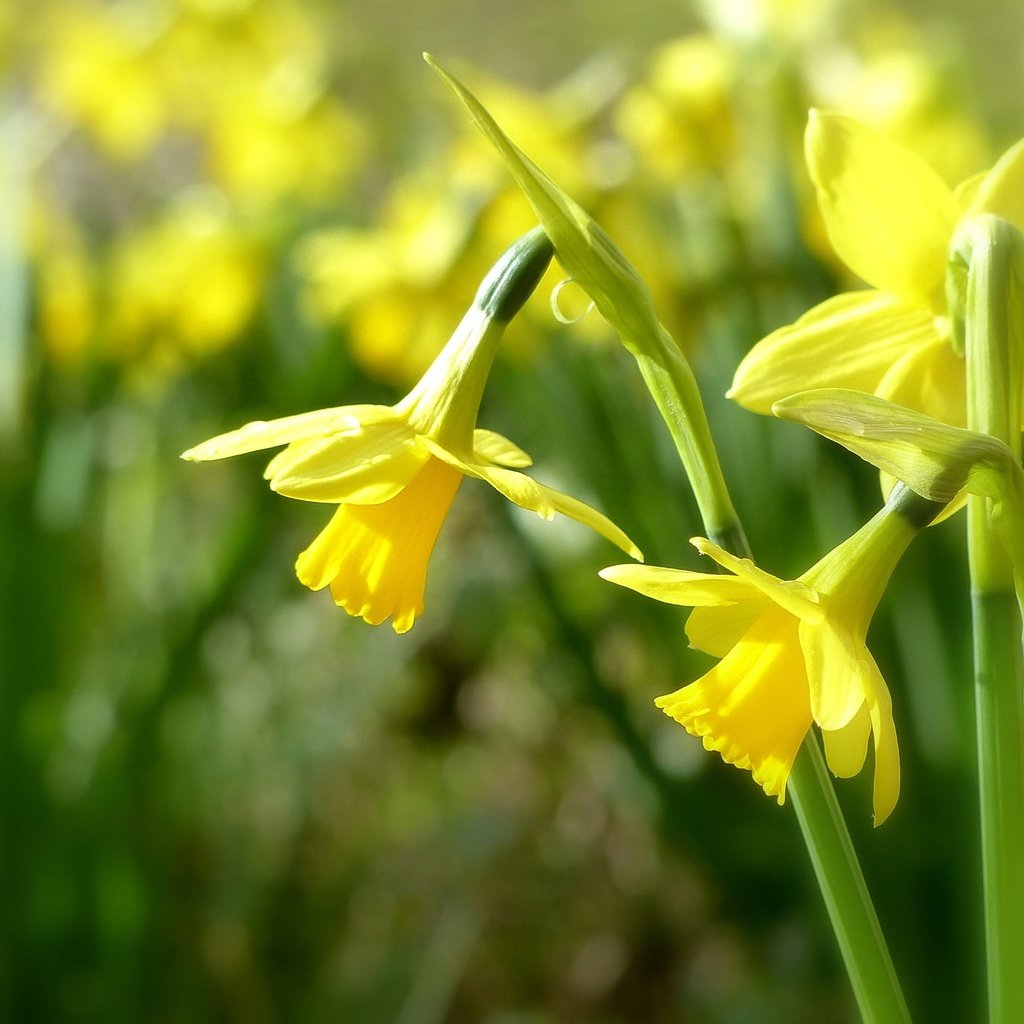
pixel 890 218
pixel 394 470
pixel 98 71
pixel 793 653
pixel 280 136
pixel 184 286
pixel 681 118
pixel 394 284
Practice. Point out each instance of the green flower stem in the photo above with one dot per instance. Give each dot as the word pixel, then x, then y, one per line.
pixel 674 389
pixel 992 252
pixel 847 899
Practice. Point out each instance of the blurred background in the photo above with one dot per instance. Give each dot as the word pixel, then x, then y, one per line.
pixel 223 799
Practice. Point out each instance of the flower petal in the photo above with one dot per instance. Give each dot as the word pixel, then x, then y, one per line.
pixel 753 706
pixel 887 754
pixel 493 447
pixel 525 492
pixel 572 507
pixel 967 190
pixel 375 556
pixel 256 436
pixel 795 597
pixel 1002 190
pixel 850 340
pixel 889 215
pixel 835 666
pixel 930 378
pixel 846 748
pixel 362 467
pixel 680 586
pixel 717 630
pixel 724 606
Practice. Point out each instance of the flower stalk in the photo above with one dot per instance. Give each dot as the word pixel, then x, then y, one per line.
pixel 861 942
pixel 587 253
pixel 991 251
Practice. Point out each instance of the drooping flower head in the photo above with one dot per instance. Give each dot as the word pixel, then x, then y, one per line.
pixel 393 470
pixel 891 219
pixel 793 654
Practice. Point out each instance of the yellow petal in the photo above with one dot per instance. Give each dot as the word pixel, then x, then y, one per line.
pixel 795 597
pixel 753 706
pixel 931 379
pixel 887 754
pixel 846 748
pixel 1002 190
pixel 581 512
pixel 375 556
pixel 493 447
pixel 835 668
pixel 850 340
pixel 525 492
pixel 256 436
pixel 717 630
pixel 965 192
pixel 889 215
pixel 361 467
pixel 680 586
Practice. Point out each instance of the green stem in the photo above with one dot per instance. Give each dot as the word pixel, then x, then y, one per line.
pixel 674 389
pixel 847 899
pixel 993 252
pixel 997 678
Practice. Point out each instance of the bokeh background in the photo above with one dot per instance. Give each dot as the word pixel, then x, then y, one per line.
pixel 224 800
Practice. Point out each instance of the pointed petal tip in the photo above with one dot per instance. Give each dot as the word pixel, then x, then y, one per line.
pixel 613 573
pixel 702 544
pixel 198 453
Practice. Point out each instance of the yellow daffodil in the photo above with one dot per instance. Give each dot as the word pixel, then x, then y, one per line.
pixel 891 219
pixel 394 470
pixel 793 653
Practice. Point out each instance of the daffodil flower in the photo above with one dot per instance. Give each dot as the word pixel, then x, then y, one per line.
pixel 792 652
pixel 393 470
pixel 891 219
